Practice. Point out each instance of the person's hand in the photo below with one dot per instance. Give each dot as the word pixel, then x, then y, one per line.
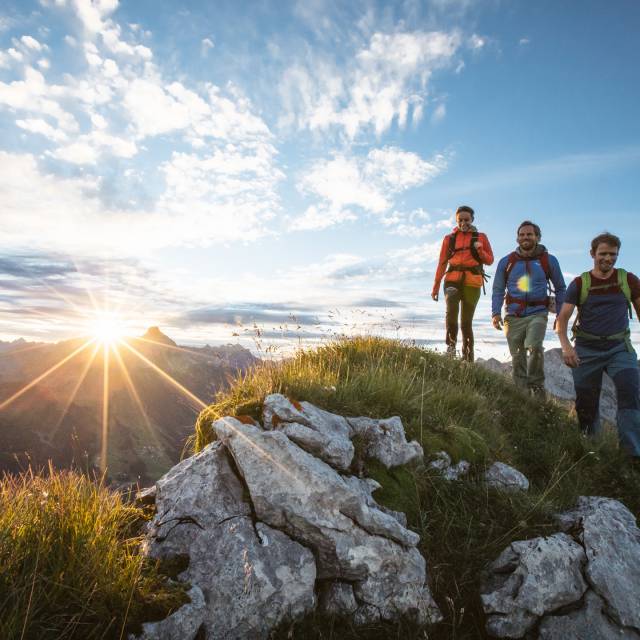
pixel 497 322
pixel 477 244
pixel 570 357
pixel 434 296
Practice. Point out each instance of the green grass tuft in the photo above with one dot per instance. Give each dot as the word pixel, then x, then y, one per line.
pixel 70 566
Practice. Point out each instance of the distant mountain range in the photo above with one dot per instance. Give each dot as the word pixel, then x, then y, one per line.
pixel 60 418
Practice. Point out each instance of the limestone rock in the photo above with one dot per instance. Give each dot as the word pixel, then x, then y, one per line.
pixel 502 476
pixel 581 584
pixel 589 622
pixel 366 486
pixel 442 463
pixel 385 441
pixel 611 540
pixel 529 579
pixel 256 575
pixel 183 624
pixel 325 434
pixel 337 599
pixel 338 452
pixel 352 540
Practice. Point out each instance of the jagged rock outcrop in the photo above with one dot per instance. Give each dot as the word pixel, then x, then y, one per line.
pixel 266 525
pixel 204 522
pixel 581 583
pixel 529 579
pixel 504 477
pixel 330 436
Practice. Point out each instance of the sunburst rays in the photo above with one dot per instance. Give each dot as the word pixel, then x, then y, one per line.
pixel 111 344
pixel 42 376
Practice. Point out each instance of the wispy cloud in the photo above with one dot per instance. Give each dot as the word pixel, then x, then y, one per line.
pixel 347 183
pixel 224 189
pixel 387 81
pixel 206 45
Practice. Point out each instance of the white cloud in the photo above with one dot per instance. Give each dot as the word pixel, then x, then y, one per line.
pixel 65 214
pixel 44 64
pixel 368 183
pixel 524 41
pixel 205 46
pixel 386 81
pixel 33 95
pixel 421 254
pixel 31 43
pixel 14 54
pixel 71 41
pixel 477 42
pixel 88 148
pixel 439 113
pixel 38 125
pixel 77 153
pixel 316 218
pixel 92 12
pixel 415 224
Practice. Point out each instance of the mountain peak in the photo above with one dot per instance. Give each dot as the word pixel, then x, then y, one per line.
pixel 154 334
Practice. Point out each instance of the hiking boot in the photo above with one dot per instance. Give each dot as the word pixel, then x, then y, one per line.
pixel 451 350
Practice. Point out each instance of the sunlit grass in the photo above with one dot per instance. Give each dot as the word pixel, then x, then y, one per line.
pixel 70 566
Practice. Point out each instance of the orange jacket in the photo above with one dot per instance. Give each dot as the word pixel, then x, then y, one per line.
pixel 462 258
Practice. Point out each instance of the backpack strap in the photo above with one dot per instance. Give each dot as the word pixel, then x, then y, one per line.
pixel 452 244
pixel 513 258
pixel 544 263
pixel 474 252
pixel 623 283
pixel 585 287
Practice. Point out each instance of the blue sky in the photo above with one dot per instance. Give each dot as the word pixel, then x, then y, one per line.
pixel 202 166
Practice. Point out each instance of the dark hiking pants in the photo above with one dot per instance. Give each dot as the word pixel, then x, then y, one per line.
pixel 461 300
pixel 621 366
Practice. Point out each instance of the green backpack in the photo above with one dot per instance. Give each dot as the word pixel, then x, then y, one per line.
pixel 585 289
pixel 623 283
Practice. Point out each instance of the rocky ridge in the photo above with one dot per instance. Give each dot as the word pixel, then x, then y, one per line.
pixel 268 523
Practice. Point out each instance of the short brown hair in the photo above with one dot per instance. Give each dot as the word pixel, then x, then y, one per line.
pixel 528 223
pixel 605 238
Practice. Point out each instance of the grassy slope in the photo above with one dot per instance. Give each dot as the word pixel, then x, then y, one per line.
pixel 69 553
pixel 469 412
pixel 70 566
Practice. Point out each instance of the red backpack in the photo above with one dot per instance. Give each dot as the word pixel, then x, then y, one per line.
pixel 514 257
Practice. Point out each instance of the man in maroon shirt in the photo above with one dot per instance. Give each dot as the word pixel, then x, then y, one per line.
pixel 603 341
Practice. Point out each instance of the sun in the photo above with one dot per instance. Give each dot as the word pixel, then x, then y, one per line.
pixel 107 329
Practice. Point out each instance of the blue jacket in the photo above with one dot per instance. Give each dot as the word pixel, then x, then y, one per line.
pixel 527 283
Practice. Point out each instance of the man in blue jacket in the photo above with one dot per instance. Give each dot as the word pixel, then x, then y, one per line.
pixel 524 275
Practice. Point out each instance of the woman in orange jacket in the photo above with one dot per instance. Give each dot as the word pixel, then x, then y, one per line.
pixel 462 256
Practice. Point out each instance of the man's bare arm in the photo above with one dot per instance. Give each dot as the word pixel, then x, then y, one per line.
pixel 569 354
pixel 636 306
